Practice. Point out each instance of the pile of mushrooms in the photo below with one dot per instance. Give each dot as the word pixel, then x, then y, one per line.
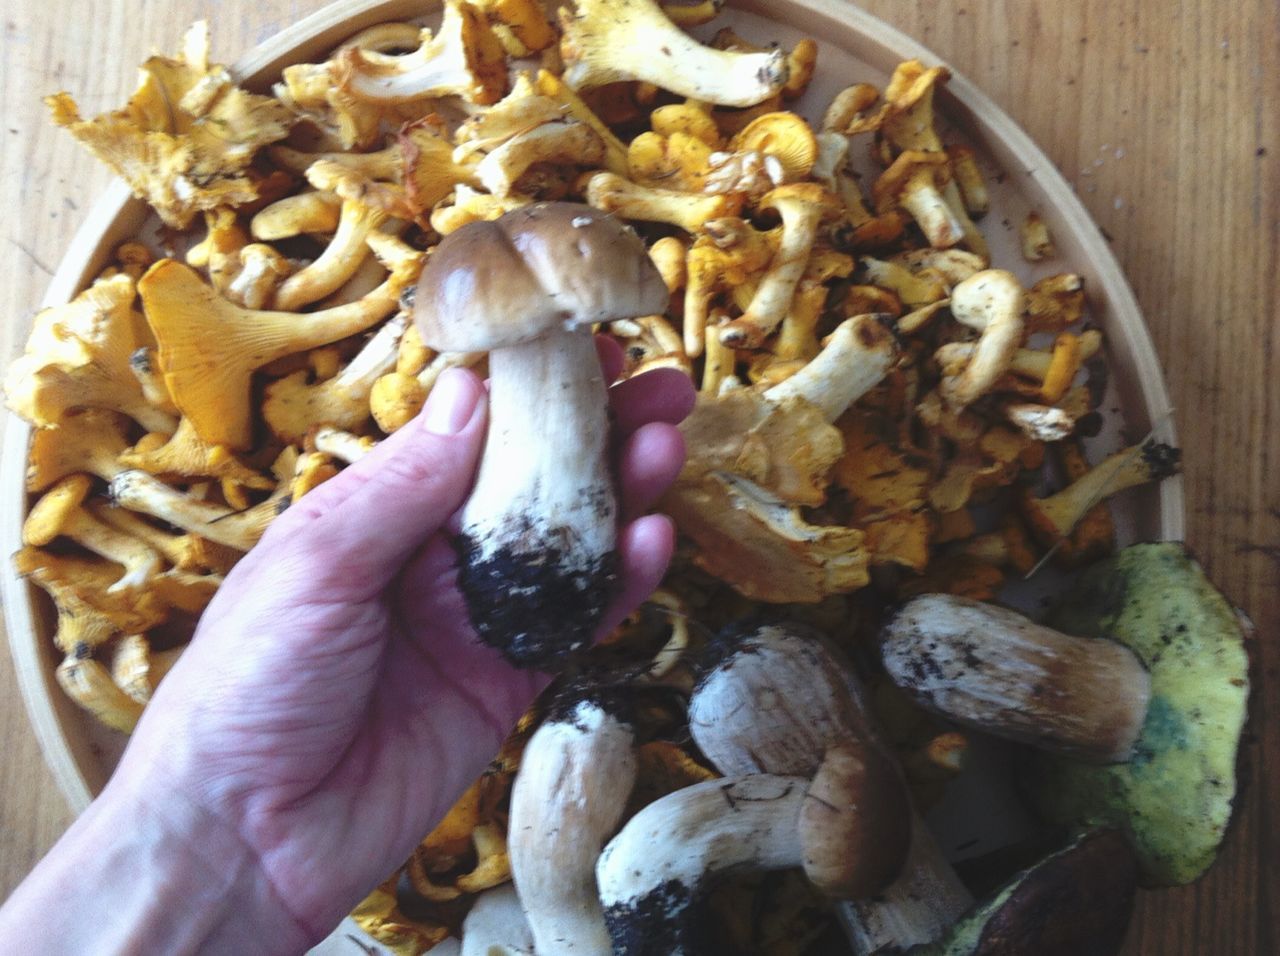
pixel 808 785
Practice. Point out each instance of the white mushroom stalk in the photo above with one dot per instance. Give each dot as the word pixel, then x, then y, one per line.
pixel 538 538
pixel 916 909
pixel 774 704
pixel 654 872
pixel 993 669
pixel 496 926
pixel 991 302
pixel 855 358
pixel 609 41
pixel 575 777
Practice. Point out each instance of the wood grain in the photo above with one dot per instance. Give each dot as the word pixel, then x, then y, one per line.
pixel 1164 117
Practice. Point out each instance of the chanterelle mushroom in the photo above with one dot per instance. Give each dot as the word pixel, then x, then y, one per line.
pixel 538 533
pixel 991 302
pixel 607 41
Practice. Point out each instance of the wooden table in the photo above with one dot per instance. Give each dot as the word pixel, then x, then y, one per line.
pixel 1166 117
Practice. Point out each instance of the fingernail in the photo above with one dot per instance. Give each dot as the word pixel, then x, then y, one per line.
pixel 451 403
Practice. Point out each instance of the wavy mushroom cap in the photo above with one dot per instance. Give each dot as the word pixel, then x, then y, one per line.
pixel 541 267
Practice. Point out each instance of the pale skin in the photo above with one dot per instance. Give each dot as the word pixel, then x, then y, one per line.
pixel 332 706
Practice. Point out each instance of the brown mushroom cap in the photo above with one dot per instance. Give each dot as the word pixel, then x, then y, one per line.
pixel 541 267
pixel 855 825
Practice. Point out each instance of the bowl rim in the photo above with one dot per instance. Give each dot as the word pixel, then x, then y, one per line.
pixel 116 215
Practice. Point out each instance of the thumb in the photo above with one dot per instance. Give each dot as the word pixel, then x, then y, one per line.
pixel 359 528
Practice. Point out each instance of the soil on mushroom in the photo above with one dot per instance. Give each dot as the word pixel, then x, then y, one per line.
pixel 528 605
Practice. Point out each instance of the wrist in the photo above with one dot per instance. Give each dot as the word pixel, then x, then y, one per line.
pixel 150 872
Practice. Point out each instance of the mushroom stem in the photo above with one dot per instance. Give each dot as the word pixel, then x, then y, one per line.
pixel 997 671
pixel 574 780
pixel 654 871
pixel 496 926
pixel 1129 468
pixel 857 355
pixel 138 491
pixel 991 302
pixel 782 702
pixel 539 531
pixel 914 910
pixel 607 41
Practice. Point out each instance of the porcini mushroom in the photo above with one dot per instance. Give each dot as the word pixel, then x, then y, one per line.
pixel 539 530
pixel 1174 798
pixel 779 700
pixel 994 670
pixel 496 926
pixel 655 871
pixel 1076 900
pixel 575 776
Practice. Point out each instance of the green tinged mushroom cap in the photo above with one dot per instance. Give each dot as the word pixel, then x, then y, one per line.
pixel 1174 797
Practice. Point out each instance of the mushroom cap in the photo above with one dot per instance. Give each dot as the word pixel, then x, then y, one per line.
pixel 50 514
pixel 855 822
pixel 539 268
pixel 1174 798
pixel 1076 900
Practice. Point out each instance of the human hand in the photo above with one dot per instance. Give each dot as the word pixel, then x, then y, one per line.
pixel 335 701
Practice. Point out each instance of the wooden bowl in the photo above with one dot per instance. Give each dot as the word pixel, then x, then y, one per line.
pixel 854 46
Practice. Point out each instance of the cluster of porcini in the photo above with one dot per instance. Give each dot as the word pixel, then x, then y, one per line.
pixel 866 377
